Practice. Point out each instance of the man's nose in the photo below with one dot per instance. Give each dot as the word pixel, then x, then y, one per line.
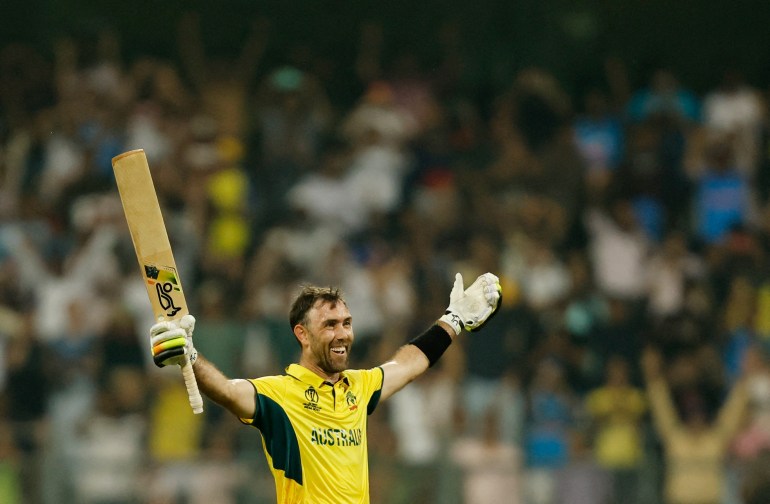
pixel 341 330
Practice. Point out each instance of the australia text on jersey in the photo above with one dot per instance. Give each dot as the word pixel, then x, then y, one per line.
pixel 335 437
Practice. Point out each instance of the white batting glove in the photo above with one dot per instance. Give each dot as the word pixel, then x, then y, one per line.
pixel 469 309
pixel 172 340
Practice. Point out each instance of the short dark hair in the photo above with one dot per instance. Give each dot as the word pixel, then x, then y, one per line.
pixel 307 297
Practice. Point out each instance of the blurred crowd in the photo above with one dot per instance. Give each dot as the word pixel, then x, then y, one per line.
pixel 629 224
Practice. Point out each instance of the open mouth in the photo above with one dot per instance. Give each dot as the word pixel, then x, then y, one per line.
pixel 339 350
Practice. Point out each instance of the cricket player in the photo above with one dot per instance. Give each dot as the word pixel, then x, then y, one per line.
pixel 313 418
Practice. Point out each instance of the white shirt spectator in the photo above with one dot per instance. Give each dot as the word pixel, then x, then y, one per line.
pixel 737 111
pixel 618 255
pixel 375 178
pixel 667 274
pixel 108 458
pixel 545 281
pixel 327 199
pixel 420 416
pixel 492 471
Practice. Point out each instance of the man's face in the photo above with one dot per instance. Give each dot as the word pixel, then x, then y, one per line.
pixel 330 335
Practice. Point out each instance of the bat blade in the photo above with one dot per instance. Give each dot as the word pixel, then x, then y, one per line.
pixel 153 249
pixel 148 233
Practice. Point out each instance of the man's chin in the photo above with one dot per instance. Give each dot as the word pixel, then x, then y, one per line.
pixel 337 364
pixel 341 366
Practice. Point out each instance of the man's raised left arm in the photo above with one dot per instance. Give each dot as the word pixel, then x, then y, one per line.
pixel 469 309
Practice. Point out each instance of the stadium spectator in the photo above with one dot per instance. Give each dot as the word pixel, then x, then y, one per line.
pixel 695 438
pixel 616 411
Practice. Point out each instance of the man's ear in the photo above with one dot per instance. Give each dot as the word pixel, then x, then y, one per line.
pixel 301 334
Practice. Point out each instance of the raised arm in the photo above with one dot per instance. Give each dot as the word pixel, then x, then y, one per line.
pixel 409 362
pixel 252 52
pixel 658 393
pixel 468 309
pixel 191 49
pixel 172 340
pixel 733 411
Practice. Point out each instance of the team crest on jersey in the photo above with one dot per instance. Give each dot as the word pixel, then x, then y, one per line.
pixel 350 398
pixel 311 395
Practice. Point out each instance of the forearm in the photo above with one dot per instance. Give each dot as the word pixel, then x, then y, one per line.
pixel 410 361
pixel 237 396
pixel 252 52
pixel 407 364
pixel 469 309
pixel 733 411
pixel 661 406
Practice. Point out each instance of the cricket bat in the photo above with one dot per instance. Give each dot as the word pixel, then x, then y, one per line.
pixel 153 250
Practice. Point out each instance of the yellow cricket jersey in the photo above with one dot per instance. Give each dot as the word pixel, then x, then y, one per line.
pixel 314 434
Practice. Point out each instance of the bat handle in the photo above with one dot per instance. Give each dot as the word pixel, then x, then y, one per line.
pixel 194 395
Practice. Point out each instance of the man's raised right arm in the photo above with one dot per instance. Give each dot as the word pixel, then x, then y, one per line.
pixel 172 340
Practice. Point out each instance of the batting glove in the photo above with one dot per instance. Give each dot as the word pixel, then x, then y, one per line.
pixel 172 341
pixel 470 309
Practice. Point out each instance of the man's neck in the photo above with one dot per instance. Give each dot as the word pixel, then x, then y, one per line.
pixel 331 378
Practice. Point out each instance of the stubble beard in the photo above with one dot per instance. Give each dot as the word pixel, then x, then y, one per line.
pixel 328 361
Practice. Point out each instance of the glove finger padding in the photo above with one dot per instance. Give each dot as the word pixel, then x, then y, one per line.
pixel 493 291
pixel 162 327
pixel 473 308
pixel 188 324
pixel 168 357
pixel 170 343
pixel 162 334
pixel 458 291
pixel 489 286
pixel 485 292
pixel 493 309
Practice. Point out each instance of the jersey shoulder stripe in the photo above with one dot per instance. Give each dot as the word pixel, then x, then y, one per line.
pixel 279 437
pixel 374 400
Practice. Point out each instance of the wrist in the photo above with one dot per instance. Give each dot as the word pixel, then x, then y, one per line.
pixel 452 320
pixel 448 328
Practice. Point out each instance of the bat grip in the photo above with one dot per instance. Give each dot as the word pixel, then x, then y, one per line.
pixel 193 394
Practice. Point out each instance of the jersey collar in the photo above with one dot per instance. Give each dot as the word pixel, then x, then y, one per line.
pixel 305 375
